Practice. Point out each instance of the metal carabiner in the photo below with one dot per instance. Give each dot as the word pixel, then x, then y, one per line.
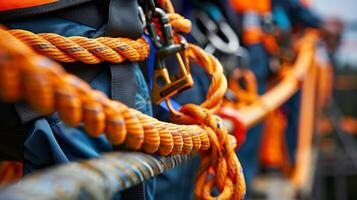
pixel 214 28
pixel 164 84
pixel 142 16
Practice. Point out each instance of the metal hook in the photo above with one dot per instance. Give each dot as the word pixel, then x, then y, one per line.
pixel 164 84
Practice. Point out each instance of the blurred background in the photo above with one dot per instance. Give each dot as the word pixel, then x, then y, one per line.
pixel 334 174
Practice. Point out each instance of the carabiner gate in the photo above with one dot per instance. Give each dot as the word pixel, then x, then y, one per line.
pixel 164 84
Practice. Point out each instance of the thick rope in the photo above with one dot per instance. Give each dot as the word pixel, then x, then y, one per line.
pixel 90 51
pixel 96 50
pixel 24 75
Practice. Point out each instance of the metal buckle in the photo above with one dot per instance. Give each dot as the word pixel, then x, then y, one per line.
pixel 164 84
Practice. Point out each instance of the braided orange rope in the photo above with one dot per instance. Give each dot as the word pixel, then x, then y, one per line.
pixel 90 51
pixel 47 87
pixel 220 166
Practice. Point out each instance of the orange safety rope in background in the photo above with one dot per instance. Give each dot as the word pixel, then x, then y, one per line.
pixel 246 94
pixel 292 77
pixel 288 85
pixel 306 128
pixel 273 147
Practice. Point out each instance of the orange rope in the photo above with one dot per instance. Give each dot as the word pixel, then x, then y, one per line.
pixel 96 50
pixel 273 147
pixel 301 173
pixel 220 166
pixel 47 87
pixel 90 51
pixel 243 96
pixel 287 86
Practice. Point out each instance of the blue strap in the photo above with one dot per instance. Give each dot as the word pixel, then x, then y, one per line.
pixel 150 61
pixel 174 104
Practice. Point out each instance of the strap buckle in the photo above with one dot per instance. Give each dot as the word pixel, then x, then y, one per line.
pixel 165 85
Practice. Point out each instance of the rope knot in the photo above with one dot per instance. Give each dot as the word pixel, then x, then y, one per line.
pixel 220 166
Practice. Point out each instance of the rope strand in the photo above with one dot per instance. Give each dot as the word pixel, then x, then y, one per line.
pixel 90 51
pixel 76 102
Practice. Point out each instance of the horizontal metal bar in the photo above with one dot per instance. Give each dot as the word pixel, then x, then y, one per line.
pixel 99 178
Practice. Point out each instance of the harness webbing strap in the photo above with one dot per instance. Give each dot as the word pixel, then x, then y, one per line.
pixel 123 81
